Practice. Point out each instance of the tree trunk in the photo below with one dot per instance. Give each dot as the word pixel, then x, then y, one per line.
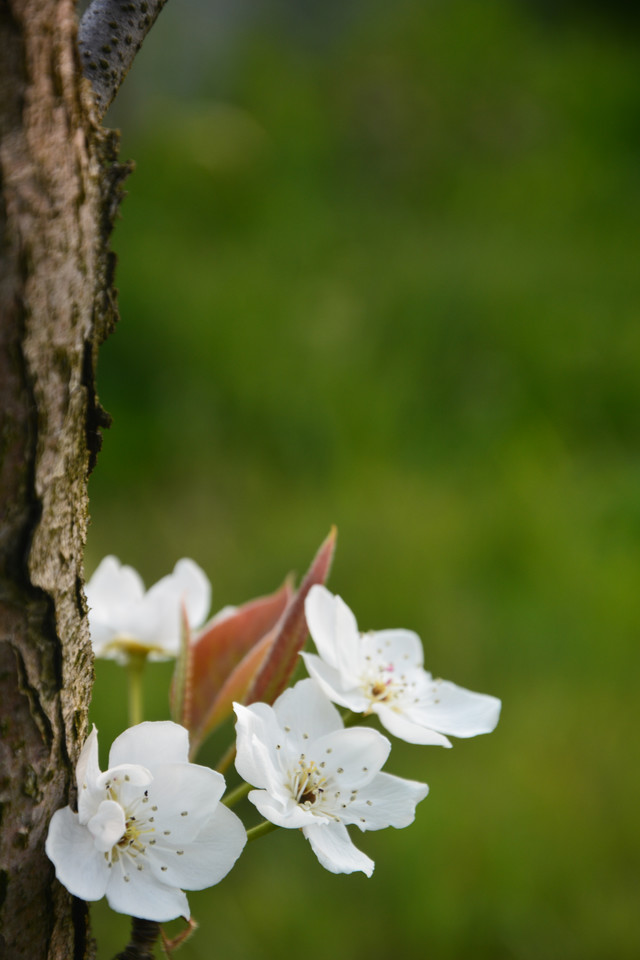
pixel 59 191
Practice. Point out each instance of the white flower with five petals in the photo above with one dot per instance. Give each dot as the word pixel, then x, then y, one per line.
pixel 315 775
pixel 147 827
pixel 381 672
pixel 124 620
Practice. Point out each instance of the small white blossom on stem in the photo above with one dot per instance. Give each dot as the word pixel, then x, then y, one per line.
pixel 125 621
pixel 147 828
pixel 381 672
pixel 315 775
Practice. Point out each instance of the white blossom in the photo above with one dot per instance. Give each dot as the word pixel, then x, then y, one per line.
pixel 125 620
pixel 381 672
pixel 314 775
pixel 147 827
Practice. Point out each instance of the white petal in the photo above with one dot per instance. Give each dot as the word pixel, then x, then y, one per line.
pixel 207 860
pixel 284 813
pixel 318 610
pixel 387 802
pixel 125 773
pixel 334 849
pixel 113 595
pixel 141 894
pixel 102 633
pixel 79 866
pixel 107 826
pixel 334 630
pixel 402 648
pixel 257 737
pixel 305 709
pixel 159 618
pixel 87 773
pixel 151 743
pixel 113 586
pixel 402 727
pixel 353 756
pixel 155 621
pixel 194 590
pixel 332 683
pixel 457 711
pixel 185 795
pixel 270 768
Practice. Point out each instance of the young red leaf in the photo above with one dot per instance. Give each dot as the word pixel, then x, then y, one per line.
pixel 233 689
pixel 215 653
pixel 291 633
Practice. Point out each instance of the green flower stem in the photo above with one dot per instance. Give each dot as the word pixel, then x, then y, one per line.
pixel 135 669
pixel 236 795
pixel 226 759
pixel 265 827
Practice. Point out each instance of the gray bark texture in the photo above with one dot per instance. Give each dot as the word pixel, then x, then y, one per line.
pixel 111 33
pixel 60 185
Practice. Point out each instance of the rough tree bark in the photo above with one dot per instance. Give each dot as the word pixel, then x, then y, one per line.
pixel 60 185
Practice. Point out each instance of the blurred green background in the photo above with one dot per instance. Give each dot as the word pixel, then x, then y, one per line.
pixel 379 268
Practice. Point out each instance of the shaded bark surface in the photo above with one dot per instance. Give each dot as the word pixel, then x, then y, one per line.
pixel 59 192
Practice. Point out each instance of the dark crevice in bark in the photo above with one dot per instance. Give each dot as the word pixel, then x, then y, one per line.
pixel 12 66
pixel 98 418
pixel 36 708
pixel 105 314
pixel 84 945
pixel 19 432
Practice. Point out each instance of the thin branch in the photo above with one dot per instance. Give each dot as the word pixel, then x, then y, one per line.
pixel 234 796
pixel 144 934
pixel 264 827
pixel 110 34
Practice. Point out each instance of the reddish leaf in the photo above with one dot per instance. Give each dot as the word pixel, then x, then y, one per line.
pixel 218 649
pixel 233 689
pixel 180 691
pixel 291 631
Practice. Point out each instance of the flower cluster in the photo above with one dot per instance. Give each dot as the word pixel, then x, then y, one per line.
pixel 153 824
pixel 317 776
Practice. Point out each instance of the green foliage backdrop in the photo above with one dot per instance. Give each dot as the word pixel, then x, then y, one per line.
pixel 378 268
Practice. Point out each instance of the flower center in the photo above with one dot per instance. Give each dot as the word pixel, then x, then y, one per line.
pixel 134 822
pixel 380 690
pixel 123 646
pixel 307 782
pixel 131 833
pixel 383 686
